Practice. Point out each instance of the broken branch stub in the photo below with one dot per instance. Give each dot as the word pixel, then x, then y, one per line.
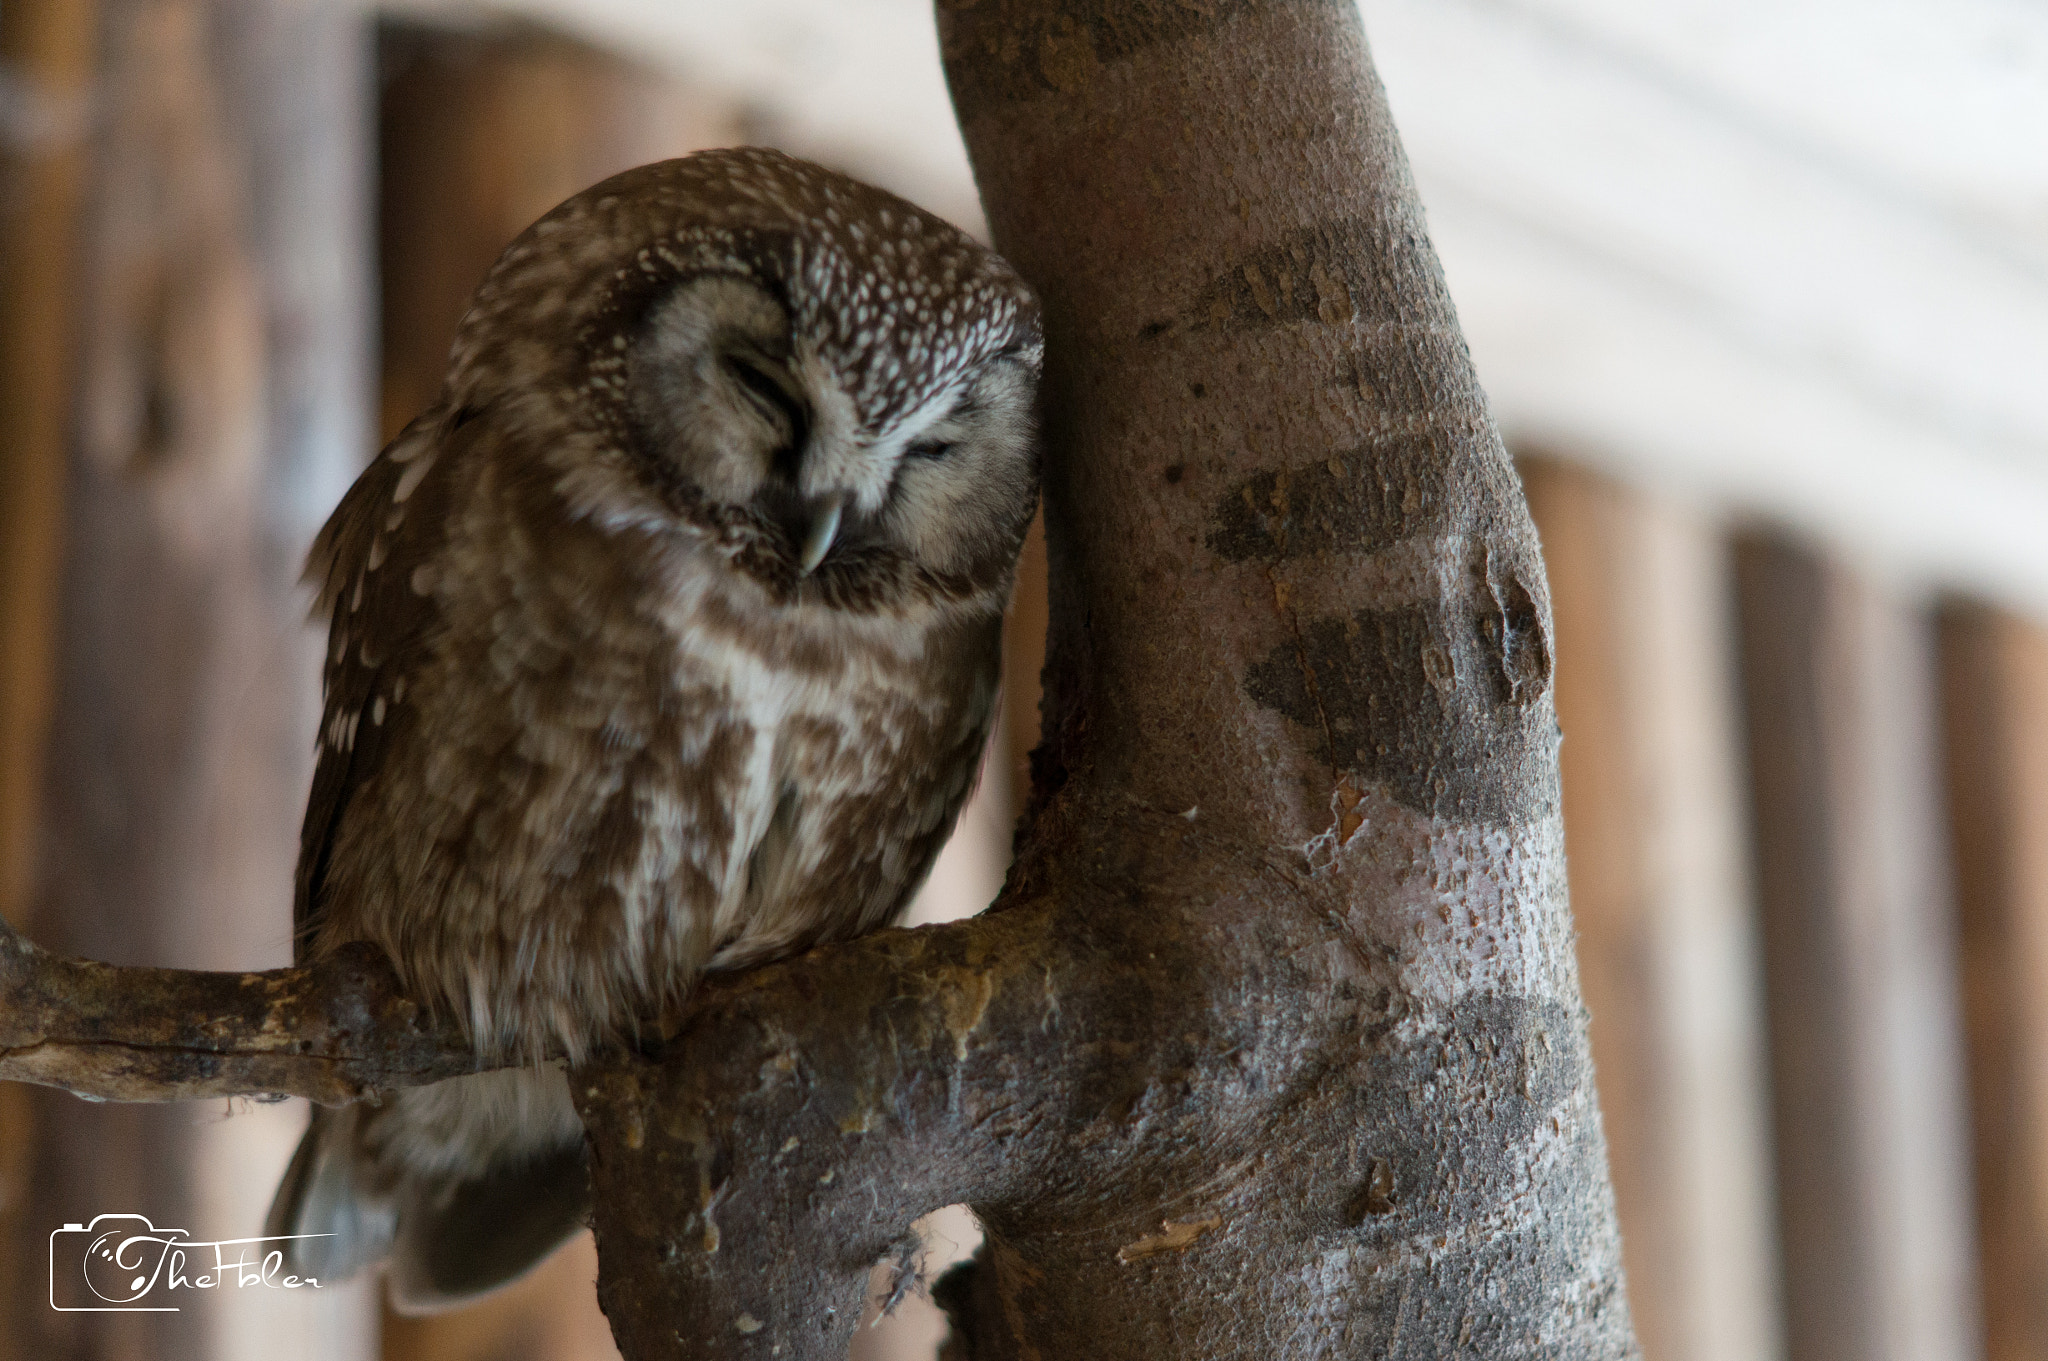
pixel 334 1032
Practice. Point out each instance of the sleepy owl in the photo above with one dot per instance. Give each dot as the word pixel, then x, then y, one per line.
pixel 666 641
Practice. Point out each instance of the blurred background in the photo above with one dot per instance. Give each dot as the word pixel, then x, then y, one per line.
pixel 1759 293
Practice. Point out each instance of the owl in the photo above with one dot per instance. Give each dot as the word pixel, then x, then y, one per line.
pixel 666 642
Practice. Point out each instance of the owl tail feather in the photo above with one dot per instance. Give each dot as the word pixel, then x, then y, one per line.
pixel 456 1242
pixel 337 1225
pixel 449 1241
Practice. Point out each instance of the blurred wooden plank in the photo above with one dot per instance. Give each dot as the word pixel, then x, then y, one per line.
pixel 219 396
pixel 480 132
pixel 1872 1168
pixel 552 1315
pixel 1995 711
pixel 1660 895
pixel 157 322
pixel 294 83
pixel 47 50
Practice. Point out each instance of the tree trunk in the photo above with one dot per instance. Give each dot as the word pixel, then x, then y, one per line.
pixel 1273 1046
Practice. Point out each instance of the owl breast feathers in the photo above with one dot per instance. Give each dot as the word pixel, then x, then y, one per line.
pixel 668 640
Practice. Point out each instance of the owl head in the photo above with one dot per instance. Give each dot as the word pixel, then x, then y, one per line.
pixel 824 382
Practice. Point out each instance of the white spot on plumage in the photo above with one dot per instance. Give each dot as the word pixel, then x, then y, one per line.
pixel 409 480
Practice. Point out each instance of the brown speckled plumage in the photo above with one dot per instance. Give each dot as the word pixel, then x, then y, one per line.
pixel 591 725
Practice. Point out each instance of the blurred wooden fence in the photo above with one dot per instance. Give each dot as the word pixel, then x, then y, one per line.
pixel 1807 809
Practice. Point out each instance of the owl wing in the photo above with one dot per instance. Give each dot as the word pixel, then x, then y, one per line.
pixel 381 622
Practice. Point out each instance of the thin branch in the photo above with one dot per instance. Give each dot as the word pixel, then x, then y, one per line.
pixel 333 1033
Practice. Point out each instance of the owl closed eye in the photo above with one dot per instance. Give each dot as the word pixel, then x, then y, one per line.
pixel 725 399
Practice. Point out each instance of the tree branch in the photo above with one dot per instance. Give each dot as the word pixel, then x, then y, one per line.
pixel 333 1033
pixel 1055 1058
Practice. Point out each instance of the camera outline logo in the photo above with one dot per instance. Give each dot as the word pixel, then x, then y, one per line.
pixel 123 1260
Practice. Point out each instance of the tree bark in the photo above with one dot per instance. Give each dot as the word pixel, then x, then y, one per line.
pixel 335 1033
pixel 1273 1046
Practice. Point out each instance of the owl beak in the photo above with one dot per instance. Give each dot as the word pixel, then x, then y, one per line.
pixel 824 529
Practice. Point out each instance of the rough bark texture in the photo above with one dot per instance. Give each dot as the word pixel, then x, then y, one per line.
pixel 333 1033
pixel 1274 1046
